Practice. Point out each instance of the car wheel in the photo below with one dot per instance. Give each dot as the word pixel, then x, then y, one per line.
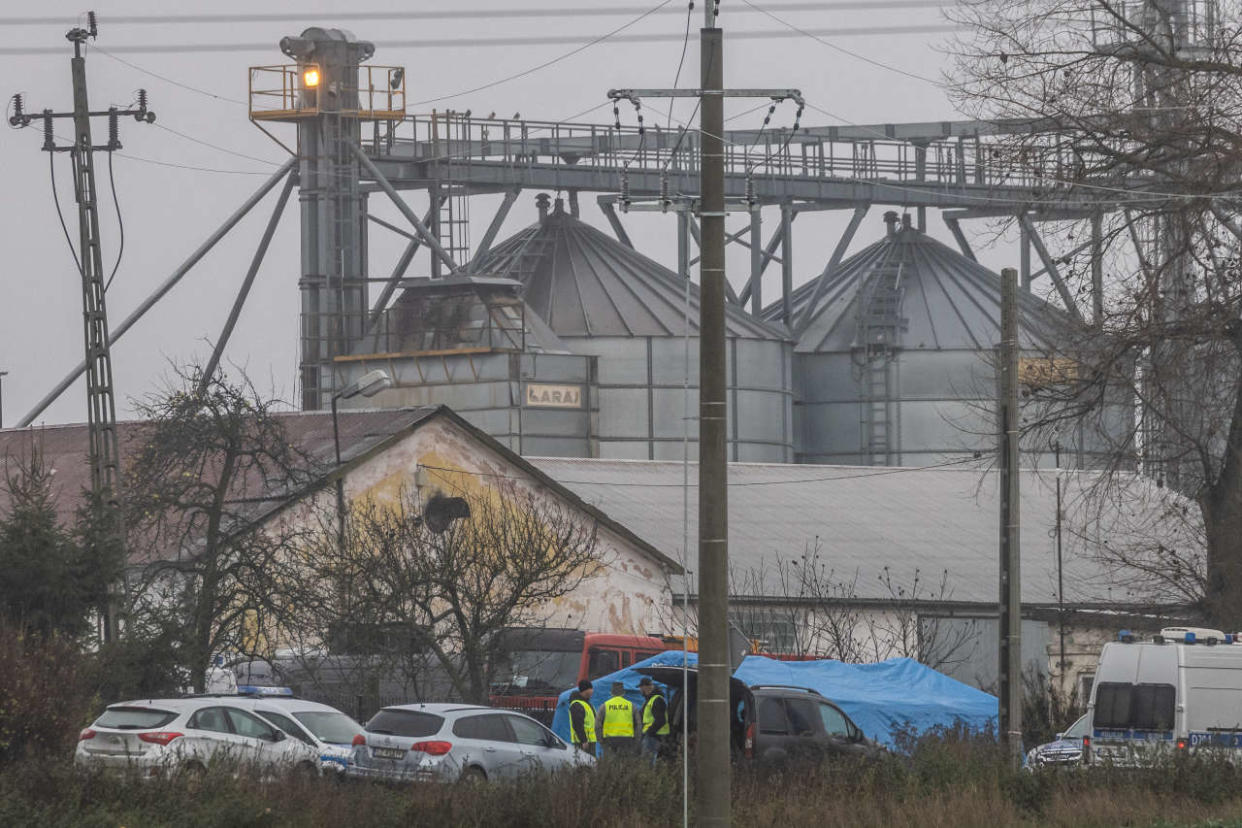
pixel 473 776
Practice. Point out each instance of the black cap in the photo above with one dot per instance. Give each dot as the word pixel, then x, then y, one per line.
pixel 646 681
pixel 584 686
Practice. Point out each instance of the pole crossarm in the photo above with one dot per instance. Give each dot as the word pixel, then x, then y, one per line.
pixel 774 94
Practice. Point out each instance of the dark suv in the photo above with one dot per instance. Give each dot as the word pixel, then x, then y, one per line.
pixel 771 723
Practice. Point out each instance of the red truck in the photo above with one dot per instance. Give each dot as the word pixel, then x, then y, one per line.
pixel 540 664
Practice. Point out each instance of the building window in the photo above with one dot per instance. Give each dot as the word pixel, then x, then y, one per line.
pixel 1085 682
pixel 775 635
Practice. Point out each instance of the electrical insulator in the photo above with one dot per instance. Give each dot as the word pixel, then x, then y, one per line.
pixel 625 191
pixel 49 142
pixel 750 191
pixel 91 24
pixel 114 131
pixel 616 111
pixel 18 117
pixel 143 114
pixel 664 199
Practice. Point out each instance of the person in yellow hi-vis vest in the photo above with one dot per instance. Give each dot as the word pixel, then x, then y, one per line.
pixel 655 720
pixel 617 723
pixel 582 718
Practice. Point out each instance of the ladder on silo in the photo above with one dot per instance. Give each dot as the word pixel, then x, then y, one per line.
pixel 452 216
pixel 880 325
pixel 453 224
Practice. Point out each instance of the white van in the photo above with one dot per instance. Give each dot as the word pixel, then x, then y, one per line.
pixel 1180 691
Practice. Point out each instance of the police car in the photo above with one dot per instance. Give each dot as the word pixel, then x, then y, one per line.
pixel 322 727
pixel 1180 691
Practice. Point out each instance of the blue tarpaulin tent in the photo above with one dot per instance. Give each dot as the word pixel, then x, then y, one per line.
pixel 881 698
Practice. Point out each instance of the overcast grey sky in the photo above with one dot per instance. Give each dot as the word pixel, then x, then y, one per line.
pixel 169 210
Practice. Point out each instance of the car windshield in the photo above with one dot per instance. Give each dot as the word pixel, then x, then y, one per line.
pixel 1078 729
pixel 134 718
pixel 396 722
pixel 531 669
pixel 329 726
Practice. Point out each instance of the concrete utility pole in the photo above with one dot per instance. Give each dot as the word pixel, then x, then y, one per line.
pixel 1010 627
pixel 712 803
pixel 101 403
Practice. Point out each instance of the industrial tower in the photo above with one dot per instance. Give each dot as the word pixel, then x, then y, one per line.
pixel 327 95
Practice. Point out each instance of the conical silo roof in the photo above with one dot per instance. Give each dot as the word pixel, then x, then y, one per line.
pixel 947 301
pixel 459 312
pixel 585 284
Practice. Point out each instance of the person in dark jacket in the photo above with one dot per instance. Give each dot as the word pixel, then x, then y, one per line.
pixel 582 717
pixel 655 727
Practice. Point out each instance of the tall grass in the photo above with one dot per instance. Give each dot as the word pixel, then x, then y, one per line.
pixel 946 780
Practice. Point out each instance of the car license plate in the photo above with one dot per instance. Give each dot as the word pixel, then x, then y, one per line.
pixel 388 753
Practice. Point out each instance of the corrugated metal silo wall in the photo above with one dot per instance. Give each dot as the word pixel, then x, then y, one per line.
pixel 943 408
pixel 490 390
pixel 643 404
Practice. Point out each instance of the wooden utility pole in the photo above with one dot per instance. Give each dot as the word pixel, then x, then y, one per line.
pixel 1010 627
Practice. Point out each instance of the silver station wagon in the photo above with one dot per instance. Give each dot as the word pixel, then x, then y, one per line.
pixel 450 742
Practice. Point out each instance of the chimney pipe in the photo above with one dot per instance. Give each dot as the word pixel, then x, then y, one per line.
pixel 541 202
pixel 890 219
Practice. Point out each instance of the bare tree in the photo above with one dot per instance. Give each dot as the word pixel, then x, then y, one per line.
pixel 447 592
pixel 205 465
pixel 1137 107
pixel 801 606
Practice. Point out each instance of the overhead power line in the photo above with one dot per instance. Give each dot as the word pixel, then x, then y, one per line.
pixel 819 35
pixel 445 14
pixel 538 40
pixel 612 35
pixel 169 80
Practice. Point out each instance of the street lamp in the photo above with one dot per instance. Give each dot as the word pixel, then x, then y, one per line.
pixel 368 385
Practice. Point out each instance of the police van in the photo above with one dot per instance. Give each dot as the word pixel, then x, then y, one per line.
pixel 1180 691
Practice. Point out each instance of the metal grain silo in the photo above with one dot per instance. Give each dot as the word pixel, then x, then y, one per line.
pixel 472 344
pixel 894 365
pixel 607 300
